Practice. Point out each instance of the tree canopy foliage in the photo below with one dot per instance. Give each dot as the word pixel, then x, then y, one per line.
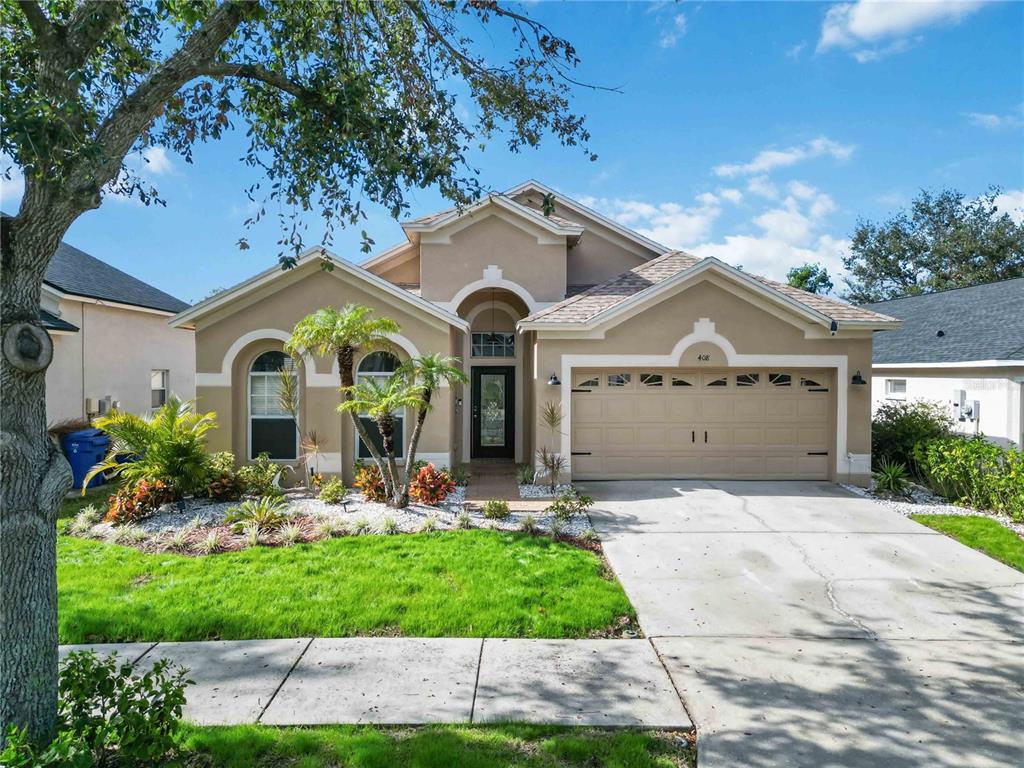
pixel 944 241
pixel 810 277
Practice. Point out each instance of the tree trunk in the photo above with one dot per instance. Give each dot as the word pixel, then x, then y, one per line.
pixel 386 425
pixel 402 497
pixel 346 358
pixel 34 475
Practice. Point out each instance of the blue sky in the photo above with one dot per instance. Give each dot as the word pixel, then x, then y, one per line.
pixel 757 133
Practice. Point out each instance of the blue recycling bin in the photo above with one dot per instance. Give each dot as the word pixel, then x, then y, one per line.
pixel 84 449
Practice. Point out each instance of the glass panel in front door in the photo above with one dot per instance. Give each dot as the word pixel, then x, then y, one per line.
pixel 492 409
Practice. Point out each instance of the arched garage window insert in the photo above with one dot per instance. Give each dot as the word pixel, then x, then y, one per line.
pixel 380 366
pixel 272 429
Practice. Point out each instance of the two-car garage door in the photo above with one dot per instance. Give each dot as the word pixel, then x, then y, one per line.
pixel 658 423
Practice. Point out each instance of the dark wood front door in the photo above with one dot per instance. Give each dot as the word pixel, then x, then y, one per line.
pixel 494 420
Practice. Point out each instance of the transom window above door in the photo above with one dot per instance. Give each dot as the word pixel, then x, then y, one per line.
pixel 494 344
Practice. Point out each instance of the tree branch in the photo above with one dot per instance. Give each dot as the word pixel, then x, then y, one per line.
pixel 91 22
pixel 260 73
pixel 44 30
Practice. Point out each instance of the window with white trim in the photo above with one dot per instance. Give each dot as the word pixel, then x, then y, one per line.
pixel 380 366
pixel 896 389
pixel 272 429
pixel 499 344
pixel 158 388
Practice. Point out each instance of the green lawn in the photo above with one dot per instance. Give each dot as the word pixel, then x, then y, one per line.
pixel 458 584
pixel 980 533
pixel 256 746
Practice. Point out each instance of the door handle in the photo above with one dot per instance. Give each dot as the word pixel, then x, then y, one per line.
pixel 693 436
pixel 705 435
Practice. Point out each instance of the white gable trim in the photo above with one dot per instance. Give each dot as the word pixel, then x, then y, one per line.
pixel 542 235
pixel 493 278
pixel 269 275
pixel 704 332
pixel 499 201
pixel 580 208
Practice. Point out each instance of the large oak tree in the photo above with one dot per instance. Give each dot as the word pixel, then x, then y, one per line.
pixel 342 101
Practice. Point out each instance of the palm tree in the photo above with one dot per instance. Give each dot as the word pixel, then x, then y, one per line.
pixel 428 372
pixel 381 402
pixel 342 334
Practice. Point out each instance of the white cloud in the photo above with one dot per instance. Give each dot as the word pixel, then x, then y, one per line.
pixel 762 187
pixel 156 161
pixel 773 258
pixel 873 29
pixel 769 159
pixel 671 224
pixel 996 122
pixel 1012 202
pixel 673 30
pixel 732 195
pixel 795 51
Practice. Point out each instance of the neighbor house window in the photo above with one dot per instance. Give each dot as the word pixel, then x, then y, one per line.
pixel 157 388
pixel 896 389
pixel 494 345
pixel 272 429
pixel 379 366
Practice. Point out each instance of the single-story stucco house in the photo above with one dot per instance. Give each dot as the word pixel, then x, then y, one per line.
pixel 963 347
pixel 663 365
pixel 112 344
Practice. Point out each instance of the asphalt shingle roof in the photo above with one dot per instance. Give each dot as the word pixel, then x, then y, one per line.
pixel 74 271
pixel 982 322
pixel 588 304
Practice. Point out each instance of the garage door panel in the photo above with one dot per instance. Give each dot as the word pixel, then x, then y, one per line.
pixel 751 432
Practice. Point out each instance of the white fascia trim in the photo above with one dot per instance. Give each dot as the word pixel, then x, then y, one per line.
pixel 500 201
pixel 115 304
pixel 958 364
pixel 354 270
pixel 704 331
pixel 580 208
pixel 651 293
pixel 389 253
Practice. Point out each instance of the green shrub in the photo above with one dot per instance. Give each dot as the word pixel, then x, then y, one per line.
pixel 496 509
pixel 975 472
pixel 108 715
pixel 332 491
pixel 891 477
pixel 568 504
pixel 221 463
pixel 898 426
pixel 135 501
pixel 225 487
pixel 167 447
pixel 260 477
pixel 267 513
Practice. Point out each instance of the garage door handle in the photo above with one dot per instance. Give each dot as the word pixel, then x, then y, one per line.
pixel 693 436
pixel 579 453
pixel 817 453
pixel 705 435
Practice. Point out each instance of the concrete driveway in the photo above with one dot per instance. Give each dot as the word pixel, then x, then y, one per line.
pixel 806 626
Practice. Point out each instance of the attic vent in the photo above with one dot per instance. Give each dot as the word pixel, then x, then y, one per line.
pixel 940 334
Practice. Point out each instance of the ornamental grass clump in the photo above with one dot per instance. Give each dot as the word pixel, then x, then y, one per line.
pixel 891 477
pixel 388 525
pixel 290 534
pixel 267 513
pixel 84 521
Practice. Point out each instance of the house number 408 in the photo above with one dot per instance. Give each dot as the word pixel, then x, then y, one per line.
pixel 704 358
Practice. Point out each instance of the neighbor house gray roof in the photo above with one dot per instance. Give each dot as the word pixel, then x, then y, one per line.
pixel 982 322
pixel 76 272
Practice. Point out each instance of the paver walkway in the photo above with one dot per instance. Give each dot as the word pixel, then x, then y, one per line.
pixel 404 681
pixel 805 626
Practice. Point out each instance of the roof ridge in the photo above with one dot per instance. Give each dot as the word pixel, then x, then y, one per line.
pixel 944 290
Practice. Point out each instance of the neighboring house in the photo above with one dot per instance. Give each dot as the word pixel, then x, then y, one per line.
pixel 662 364
pixel 111 340
pixel 963 347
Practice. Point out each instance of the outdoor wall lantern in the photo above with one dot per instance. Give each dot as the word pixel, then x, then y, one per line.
pixel 857 379
pixel 553 381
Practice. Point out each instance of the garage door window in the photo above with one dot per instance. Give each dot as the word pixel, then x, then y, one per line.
pixel 812 384
pixel 682 381
pixel 587 381
pixel 651 379
pixel 714 380
pixel 619 379
pixel 748 379
pixel 780 379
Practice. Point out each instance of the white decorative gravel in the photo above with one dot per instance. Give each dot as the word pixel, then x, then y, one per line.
pixel 533 491
pixel 177 515
pixel 924 502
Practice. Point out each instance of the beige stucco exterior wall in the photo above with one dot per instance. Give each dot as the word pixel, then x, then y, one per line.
pixel 488 240
pixel 750 329
pixel 273 311
pixel 401 269
pixel 114 353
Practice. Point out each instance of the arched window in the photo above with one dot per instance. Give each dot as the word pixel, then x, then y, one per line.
pixel 272 430
pixel 380 366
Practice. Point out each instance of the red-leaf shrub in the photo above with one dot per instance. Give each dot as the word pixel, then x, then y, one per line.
pixel 227 487
pixel 134 502
pixel 369 480
pixel 431 485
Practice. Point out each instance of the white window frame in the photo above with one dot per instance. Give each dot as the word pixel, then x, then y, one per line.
pixel 248 406
pixel 473 345
pixel 166 376
pixel 383 376
pixel 891 394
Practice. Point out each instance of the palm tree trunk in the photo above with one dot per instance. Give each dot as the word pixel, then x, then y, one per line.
pixel 386 425
pixel 346 357
pixel 414 440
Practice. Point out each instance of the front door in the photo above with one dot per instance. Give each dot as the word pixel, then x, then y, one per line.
pixel 493 413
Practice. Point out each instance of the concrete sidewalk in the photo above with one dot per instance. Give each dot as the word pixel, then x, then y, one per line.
pixel 404 681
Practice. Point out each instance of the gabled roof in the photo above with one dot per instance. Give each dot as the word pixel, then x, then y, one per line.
pixel 595 304
pixel 435 221
pixel 75 272
pixel 982 322
pixel 318 254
